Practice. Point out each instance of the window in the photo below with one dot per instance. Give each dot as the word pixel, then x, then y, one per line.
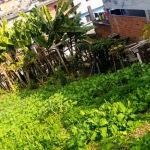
pixel 129 12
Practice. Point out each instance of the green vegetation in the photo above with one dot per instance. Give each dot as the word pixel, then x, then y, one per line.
pixel 99 112
pixel 32 49
pixel 37 44
pixel 44 105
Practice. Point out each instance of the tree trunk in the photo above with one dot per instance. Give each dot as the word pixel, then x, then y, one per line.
pixel 9 82
pixel 51 66
pixel 62 61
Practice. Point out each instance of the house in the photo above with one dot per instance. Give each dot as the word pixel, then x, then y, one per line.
pixel 126 18
pixel 12 13
pixel 8 6
pixel 96 7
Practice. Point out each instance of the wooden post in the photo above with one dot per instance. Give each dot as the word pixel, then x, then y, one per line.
pixel 91 13
pixel 9 82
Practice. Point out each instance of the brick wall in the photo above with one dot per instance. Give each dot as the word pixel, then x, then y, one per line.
pixel 127 26
pixel 103 30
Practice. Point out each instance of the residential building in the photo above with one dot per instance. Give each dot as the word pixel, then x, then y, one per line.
pixel 11 6
pixel 127 4
pixel 25 6
pixel 7 6
pixel 96 6
pixel 126 18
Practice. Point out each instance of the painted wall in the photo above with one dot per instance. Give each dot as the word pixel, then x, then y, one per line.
pixel 127 4
pixel 84 4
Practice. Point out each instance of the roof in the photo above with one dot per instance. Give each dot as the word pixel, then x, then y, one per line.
pixel 8 6
pixel 13 12
pixel 46 2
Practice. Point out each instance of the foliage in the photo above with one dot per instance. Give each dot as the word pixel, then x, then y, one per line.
pixel 32 85
pixel 141 143
pixel 61 27
pixel 102 109
pixel 146 30
pixel 102 45
pixel 33 39
pixel 106 52
pixel 60 75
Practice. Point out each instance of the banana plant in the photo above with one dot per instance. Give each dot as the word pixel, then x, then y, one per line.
pixel 5 45
pixel 39 27
pixel 62 27
pixel 5 37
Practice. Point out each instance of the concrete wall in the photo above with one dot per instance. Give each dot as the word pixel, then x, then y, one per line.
pixel 127 4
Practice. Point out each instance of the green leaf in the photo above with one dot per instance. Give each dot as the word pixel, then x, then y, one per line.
pixel 130 123
pixel 46 13
pixel 120 117
pixel 94 136
pixel 103 132
pixel 122 108
pixel 103 122
pixel 129 104
pixel 58 6
pixel 114 129
pixel 74 130
pixel 73 9
pixel 109 146
pixel 66 6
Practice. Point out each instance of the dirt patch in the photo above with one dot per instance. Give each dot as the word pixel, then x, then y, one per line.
pixel 141 131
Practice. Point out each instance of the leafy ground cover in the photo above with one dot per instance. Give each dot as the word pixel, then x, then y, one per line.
pixel 99 112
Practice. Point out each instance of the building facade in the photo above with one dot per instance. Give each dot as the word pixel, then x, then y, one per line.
pixel 126 18
pixel 96 6
pixel 12 13
pixel 127 4
pixel 136 7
